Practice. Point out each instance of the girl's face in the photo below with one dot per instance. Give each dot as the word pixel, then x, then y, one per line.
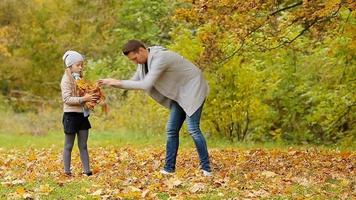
pixel 77 67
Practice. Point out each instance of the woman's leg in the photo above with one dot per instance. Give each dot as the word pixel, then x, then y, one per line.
pixel 174 124
pixel 83 149
pixel 68 146
pixel 193 125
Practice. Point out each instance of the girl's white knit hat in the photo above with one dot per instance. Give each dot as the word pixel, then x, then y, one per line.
pixel 70 57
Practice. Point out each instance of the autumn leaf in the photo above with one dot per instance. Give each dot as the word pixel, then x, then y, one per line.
pixel 269 174
pixel 21 191
pixel 197 187
pixel 132 173
pixel 44 189
pixel 173 183
pixel 97 192
pixel 86 87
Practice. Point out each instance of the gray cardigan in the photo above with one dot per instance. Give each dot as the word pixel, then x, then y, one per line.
pixel 170 77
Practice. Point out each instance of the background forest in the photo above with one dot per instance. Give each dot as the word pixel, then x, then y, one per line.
pixel 278 70
pixel 280 118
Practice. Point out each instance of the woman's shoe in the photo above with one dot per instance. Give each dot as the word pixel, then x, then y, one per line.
pixel 164 172
pixel 207 173
pixel 69 174
pixel 88 173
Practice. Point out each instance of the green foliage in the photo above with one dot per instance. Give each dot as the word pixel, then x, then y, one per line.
pixel 3 104
pixel 147 20
pixel 141 113
pixel 43 30
pixel 185 43
pixel 277 71
pixel 276 77
pixel 234 106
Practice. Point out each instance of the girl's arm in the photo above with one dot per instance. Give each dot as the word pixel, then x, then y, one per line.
pixel 67 94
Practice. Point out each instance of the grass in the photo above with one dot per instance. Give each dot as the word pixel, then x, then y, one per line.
pixel 112 144
pixel 56 139
pixel 71 190
pixel 123 138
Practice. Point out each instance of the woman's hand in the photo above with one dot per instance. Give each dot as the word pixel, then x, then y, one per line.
pixel 109 82
pixel 90 97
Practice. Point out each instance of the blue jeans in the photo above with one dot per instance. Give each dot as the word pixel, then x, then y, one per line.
pixel 176 119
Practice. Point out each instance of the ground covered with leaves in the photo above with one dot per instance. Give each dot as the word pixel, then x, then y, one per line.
pixel 133 173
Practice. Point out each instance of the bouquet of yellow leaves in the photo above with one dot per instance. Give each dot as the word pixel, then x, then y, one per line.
pixel 86 87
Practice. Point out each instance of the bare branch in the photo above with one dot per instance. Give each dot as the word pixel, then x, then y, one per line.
pixel 240 48
pixel 307 28
pixel 333 125
pixel 254 30
pixel 242 43
pixel 286 8
pixel 296 37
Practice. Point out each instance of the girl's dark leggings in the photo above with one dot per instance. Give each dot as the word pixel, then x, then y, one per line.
pixel 83 149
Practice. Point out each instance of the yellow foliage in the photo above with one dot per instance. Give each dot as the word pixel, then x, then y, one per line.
pixel 86 87
pixel 4 34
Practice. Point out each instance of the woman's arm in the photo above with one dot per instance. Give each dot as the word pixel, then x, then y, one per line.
pixel 159 65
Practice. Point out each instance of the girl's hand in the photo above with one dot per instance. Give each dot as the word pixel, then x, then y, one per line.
pixel 90 97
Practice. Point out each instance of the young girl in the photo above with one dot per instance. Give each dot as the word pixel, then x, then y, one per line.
pixel 75 117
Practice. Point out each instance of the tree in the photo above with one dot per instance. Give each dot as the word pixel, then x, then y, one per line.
pixel 276 41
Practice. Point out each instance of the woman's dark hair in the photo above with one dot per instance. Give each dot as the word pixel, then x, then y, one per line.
pixel 132 46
